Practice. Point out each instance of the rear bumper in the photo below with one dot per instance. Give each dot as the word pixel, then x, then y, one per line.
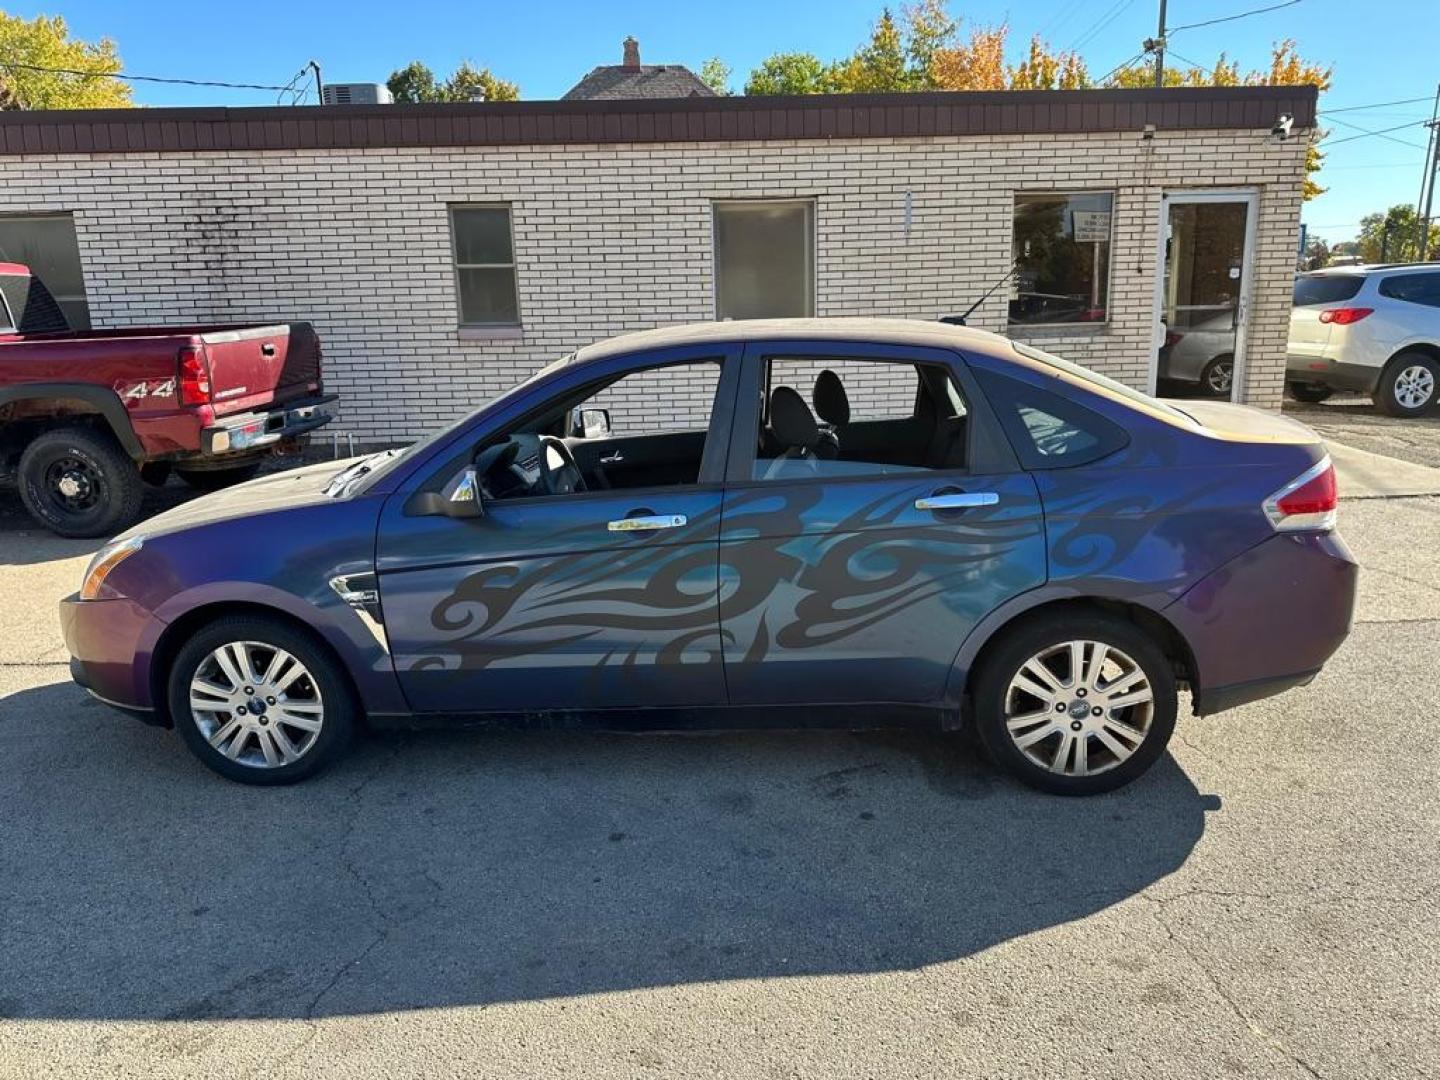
pixel 1318 369
pixel 108 655
pixel 1267 620
pixel 255 430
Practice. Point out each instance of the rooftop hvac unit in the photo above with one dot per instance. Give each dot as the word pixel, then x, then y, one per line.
pixel 358 93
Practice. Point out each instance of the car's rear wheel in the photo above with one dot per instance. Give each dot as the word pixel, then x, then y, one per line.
pixel 215 479
pixel 260 701
pixel 1218 376
pixel 1407 385
pixel 1310 393
pixel 78 482
pixel 1075 705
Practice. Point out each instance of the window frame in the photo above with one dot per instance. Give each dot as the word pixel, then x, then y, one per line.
pixel 1075 325
pixel 988 451
pixel 812 248
pixel 456 266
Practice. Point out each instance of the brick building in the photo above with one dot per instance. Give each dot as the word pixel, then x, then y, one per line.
pixel 445 252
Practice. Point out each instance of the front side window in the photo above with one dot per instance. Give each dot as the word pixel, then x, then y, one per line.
pixel 46 243
pixel 1413 288
pixel 1061 248
pixel 830 417
pixel 484 266
pixel 764 259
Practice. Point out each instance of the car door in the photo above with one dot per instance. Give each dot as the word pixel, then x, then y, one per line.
pixel 597 599
pixel 851 580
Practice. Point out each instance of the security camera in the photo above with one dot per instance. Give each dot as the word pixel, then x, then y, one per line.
pixel 1281 131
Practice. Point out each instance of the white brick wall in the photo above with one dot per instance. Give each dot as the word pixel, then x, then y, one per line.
pixel 610 238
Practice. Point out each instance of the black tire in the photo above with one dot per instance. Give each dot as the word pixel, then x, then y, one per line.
pixel 336 696
pixel 1310 393
pixel 1032 638
pixel 215 479
pixel 1391 395
pixel 78 482
pixel 1219 370
pixel 155 473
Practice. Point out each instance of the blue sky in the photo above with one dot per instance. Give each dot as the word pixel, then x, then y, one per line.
pixel 546 45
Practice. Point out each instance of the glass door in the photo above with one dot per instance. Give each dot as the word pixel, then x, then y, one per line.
pixel 1206 240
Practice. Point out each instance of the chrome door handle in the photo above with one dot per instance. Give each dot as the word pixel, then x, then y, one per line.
pixel 960 500
pixel 646 522
pixel 614 459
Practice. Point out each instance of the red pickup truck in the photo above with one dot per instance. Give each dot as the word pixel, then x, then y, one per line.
pixel 87 417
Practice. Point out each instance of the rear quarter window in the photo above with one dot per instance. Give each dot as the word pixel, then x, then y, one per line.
pixel 1049 431
pixel 1326 289
pixel 1413 288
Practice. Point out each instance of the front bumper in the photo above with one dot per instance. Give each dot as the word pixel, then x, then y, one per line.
pixel 1268 619
pixel 108 655
pixel 254 430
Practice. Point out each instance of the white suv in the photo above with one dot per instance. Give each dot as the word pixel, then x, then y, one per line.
pixel 1375 329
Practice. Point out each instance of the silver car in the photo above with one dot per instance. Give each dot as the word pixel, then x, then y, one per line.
pixel 1375 329
pixel 1202 356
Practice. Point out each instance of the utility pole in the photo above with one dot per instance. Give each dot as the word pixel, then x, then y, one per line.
pixel 1159 44
pixel 1425 202
pixel 319 89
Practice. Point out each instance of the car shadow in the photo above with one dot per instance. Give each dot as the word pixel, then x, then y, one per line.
pixel 465 868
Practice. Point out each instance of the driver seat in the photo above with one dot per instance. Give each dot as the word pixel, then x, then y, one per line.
pixel 793 426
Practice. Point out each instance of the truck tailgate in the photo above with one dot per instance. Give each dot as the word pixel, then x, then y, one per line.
pixel 259 366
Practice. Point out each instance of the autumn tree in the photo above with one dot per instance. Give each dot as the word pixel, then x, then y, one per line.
pixel 1394 236
pixel 879 65
pixel 715 74
pixel 416 84
pixel 789 73
pixel 45 42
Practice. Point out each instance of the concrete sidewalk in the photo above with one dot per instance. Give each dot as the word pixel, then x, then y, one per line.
pixel 1363 475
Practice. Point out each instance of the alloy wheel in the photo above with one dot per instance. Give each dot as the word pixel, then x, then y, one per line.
pixel 1415 386
pixel 1220 376
pixel 257 704
pixel 1079 708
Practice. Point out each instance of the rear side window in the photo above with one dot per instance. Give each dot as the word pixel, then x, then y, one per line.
pixel 1326 288
pixel 1046 430
pixel 1413 288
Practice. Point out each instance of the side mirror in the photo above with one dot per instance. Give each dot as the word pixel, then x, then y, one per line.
pixel 595 423
pixel 460 498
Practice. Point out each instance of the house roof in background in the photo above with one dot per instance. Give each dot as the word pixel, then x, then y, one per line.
pixel 649 81
pixel 688 119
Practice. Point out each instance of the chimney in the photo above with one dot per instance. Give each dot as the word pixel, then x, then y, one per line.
pixel 632 55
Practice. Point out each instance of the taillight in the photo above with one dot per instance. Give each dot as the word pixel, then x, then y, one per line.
pixel 1307 502
pixel 194 376
pixel 1344 316
pixel 1172 339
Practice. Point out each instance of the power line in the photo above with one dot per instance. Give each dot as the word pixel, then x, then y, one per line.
pixel 1118 68
pixel 1230 18
pixel 1111 14
pixel 1377 105
pixel 1383 133
pixel 140 78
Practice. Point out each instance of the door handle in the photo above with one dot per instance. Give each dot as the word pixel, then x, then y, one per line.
pixel 958 500
pixel 647 522
pixel 614 459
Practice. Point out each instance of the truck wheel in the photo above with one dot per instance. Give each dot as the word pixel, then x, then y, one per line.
pixel 1310 393
pixel 1407 385
pixel 215 479
pixel 78 482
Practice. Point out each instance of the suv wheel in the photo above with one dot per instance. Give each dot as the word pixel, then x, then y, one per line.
pixel 259 701
pixel 1076 705
pixel 78 482
pixel 1407 386
pixel 1311 393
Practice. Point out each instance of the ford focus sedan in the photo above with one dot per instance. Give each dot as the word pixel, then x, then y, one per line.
pixel 793 523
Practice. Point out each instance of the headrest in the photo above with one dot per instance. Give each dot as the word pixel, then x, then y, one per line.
pixel 831 402
pixel 791 419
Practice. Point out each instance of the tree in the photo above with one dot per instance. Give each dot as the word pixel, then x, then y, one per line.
pixel 1394 236
pixel 789 73
pixel 1045 70
pixel 1316 255
pixel 46 42
pixel 415 84
pixel 879 65
pixel 715 74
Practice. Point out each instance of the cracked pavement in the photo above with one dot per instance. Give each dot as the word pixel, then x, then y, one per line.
pixel 837 905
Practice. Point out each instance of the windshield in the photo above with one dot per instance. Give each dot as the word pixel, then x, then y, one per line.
pixel 1326 288
pixel 1086 375
pixel 370 469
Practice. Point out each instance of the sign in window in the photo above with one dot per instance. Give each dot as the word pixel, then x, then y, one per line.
pixel 1061 247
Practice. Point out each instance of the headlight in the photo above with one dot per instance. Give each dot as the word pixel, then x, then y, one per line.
pixel 107 559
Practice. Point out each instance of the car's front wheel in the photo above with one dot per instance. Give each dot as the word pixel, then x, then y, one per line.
pixel 1076 704
pixel 260 701
pixel 1407 385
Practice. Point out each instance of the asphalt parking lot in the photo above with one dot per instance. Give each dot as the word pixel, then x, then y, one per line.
pixel 1263 904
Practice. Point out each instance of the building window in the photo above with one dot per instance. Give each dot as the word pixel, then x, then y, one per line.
pixel 1061 247
pixel 46 243
pixel 484 266
pixel 764 259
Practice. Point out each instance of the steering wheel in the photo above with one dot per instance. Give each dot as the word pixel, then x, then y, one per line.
pixel 565 478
